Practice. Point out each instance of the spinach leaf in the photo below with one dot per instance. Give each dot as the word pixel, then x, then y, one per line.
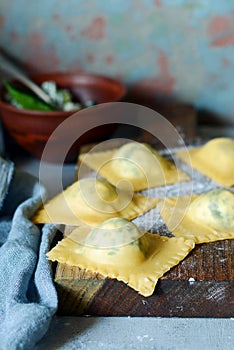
pixel 25 100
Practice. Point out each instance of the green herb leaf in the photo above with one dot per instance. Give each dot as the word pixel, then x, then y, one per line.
pixel 24 100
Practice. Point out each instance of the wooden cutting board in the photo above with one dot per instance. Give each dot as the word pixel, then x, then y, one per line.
pixel 202 285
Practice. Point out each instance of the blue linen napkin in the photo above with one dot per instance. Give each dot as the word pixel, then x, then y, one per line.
pixel 28 298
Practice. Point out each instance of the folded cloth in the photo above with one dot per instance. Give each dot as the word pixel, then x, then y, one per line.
pixel 28 299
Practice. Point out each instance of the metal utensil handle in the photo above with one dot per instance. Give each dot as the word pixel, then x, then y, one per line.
pixel 9 68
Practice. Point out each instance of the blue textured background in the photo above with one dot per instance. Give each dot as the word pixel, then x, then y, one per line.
pixel 185 47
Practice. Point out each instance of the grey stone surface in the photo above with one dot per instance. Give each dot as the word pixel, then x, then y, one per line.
pixel 117 333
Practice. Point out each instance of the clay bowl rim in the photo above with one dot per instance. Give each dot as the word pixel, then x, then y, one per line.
pixel 75 75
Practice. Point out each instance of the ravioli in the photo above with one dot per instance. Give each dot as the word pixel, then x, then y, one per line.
pixel 136 164
pixel 118 249
pixel 91 201
pixel 210 216
pixel 215 159
pixel 214 209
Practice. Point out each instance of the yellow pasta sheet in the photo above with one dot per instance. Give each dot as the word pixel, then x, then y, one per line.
pixel 209 216
pixel 135 164
pixel 139 262
pixel 91 201
pixel 215 159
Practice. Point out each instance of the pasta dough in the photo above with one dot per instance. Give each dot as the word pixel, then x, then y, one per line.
pixel 117 249
pixel 214 209
pixel 92 201
pixel 210 216
pixel 138 164
pixel 215 159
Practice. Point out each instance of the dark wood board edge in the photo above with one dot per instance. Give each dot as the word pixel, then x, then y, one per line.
pixel 171 299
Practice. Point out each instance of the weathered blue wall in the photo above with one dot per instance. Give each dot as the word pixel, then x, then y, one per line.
pixel 187 47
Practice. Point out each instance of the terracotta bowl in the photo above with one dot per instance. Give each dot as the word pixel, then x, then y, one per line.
pixel 32 129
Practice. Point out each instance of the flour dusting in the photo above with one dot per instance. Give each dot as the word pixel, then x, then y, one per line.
pixel 216 293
